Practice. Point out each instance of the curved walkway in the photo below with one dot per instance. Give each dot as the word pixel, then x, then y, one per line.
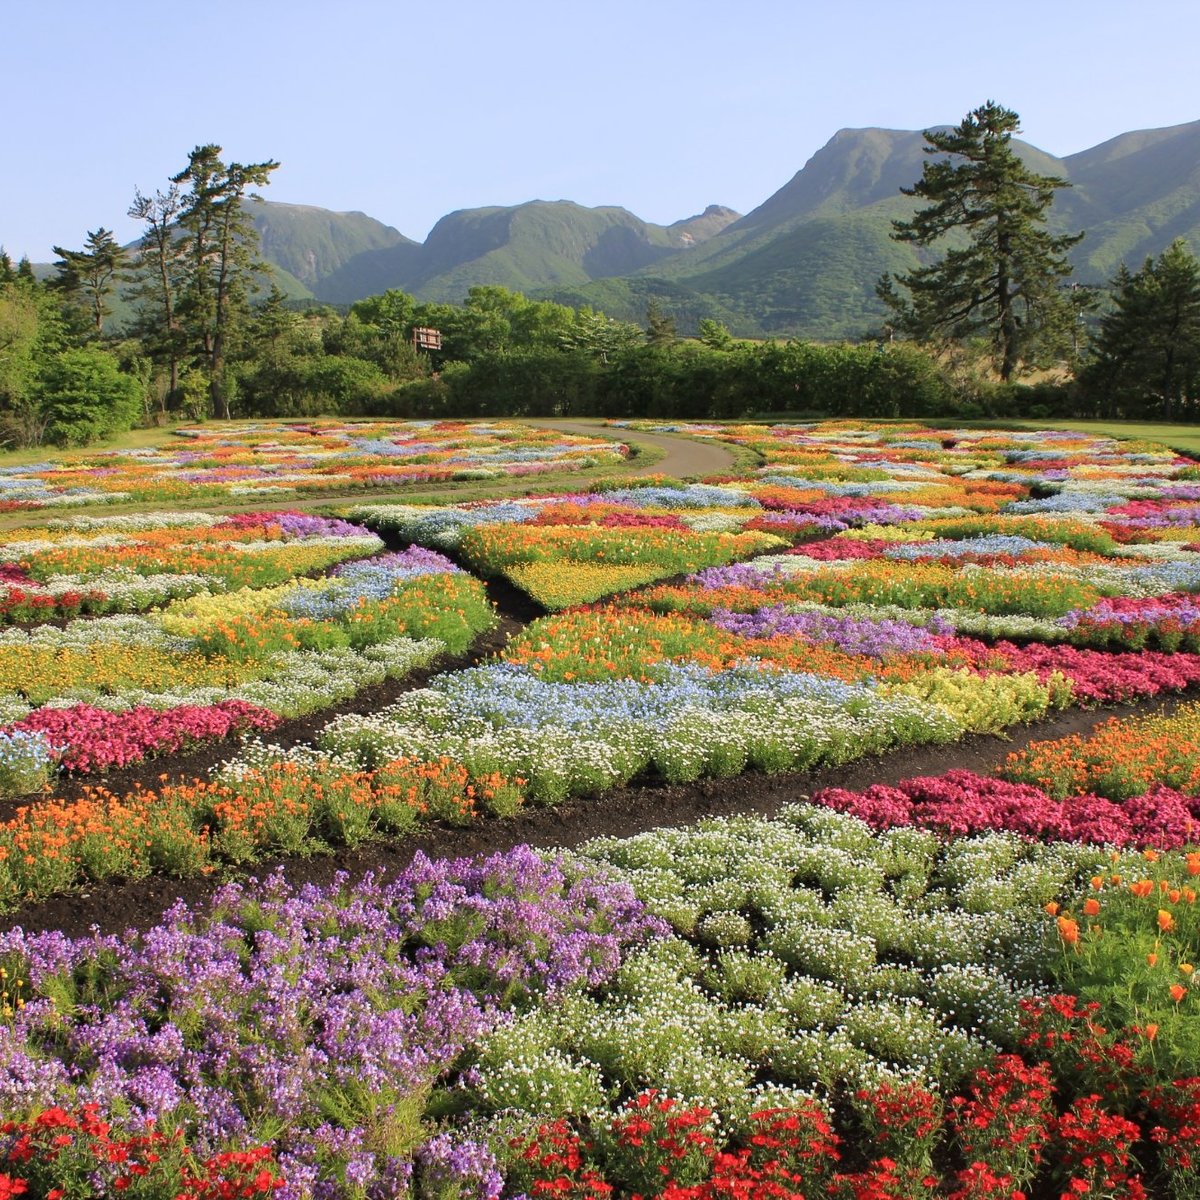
pixel 682 456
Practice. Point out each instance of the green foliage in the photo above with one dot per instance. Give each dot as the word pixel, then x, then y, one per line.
pixel 84 397
pixel 713 334
pixel 92 273
pixel 660 328
pixel 219 255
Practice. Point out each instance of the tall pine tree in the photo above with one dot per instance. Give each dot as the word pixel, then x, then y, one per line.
pixel 1001 274
pixel 220 250
pixel 158 275
pixel 92 273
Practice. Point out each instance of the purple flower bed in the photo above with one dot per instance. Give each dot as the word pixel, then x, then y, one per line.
pixel 298 524
pixel 313 1019
pixel 875 639
pixel 400 564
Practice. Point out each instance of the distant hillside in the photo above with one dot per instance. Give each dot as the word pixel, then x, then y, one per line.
pixel 1134 194
pixel 805 261
pixel 538 245
pixel 312 243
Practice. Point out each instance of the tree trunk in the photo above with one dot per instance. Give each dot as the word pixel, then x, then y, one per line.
pixel 1008 320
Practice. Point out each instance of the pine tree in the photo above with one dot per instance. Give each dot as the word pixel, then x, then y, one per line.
pixel 93 272
pixel 1005 281
pixel 158 275
pixel 1147 351
pixel 660 328
pixel 220 249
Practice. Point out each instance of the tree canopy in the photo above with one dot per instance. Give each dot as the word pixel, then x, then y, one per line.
pixel 1147 352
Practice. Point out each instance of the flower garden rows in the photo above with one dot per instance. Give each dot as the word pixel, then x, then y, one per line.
pixel 269 460
pixel 961 986
pixel 276 614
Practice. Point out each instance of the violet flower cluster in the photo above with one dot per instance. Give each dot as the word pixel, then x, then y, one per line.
pixel 298 524
pixel 365 579
pixel 873 639
pixel 310 1019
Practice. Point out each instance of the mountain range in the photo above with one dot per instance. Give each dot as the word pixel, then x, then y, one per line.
pixel 804 262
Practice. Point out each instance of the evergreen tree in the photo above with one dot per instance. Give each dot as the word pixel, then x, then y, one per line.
pixel 660 328
pixel 220 252
pixel 92 273
pixel 713 334
pixel 1147 352
pixel 158 276
pixel 1001 275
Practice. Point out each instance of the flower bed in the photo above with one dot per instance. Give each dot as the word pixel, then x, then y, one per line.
pixel 314 1022
pixel 300 804
pixel 267 459
pixel 124 687
pixel 957 987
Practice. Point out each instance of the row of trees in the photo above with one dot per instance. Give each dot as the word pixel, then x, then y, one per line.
pixel 209 335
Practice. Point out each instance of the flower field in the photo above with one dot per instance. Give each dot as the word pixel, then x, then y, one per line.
pixel 255 617
pixel 963 984
pixel 268 460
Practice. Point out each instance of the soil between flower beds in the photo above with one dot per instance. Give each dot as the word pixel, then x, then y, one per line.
pixel 623 812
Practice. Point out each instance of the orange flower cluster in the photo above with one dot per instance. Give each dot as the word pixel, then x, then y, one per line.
pixel 1123 757
pixel 605 642
pixel 184 828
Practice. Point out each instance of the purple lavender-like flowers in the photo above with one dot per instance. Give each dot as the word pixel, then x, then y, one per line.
pixel 874 639
pixel 277 1007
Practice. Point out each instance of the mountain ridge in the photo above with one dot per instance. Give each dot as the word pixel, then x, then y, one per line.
pixel 804 261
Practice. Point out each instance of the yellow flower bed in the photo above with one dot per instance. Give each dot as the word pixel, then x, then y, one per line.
pixel 40 673
pixel 187 618
pixel 557 585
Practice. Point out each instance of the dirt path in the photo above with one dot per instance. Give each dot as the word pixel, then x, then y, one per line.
pixel 682 456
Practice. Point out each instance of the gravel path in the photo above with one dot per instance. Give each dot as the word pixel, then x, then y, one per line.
pixel 682 456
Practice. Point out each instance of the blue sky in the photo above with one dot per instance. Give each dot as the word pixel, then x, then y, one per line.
pixel 409 111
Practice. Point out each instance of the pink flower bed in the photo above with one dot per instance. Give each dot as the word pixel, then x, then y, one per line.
pixel 843 549
pixel 1100 677
pixel 93 739
pixel 961 803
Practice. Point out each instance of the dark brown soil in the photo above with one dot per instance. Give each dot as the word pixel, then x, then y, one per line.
pixel 623 812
